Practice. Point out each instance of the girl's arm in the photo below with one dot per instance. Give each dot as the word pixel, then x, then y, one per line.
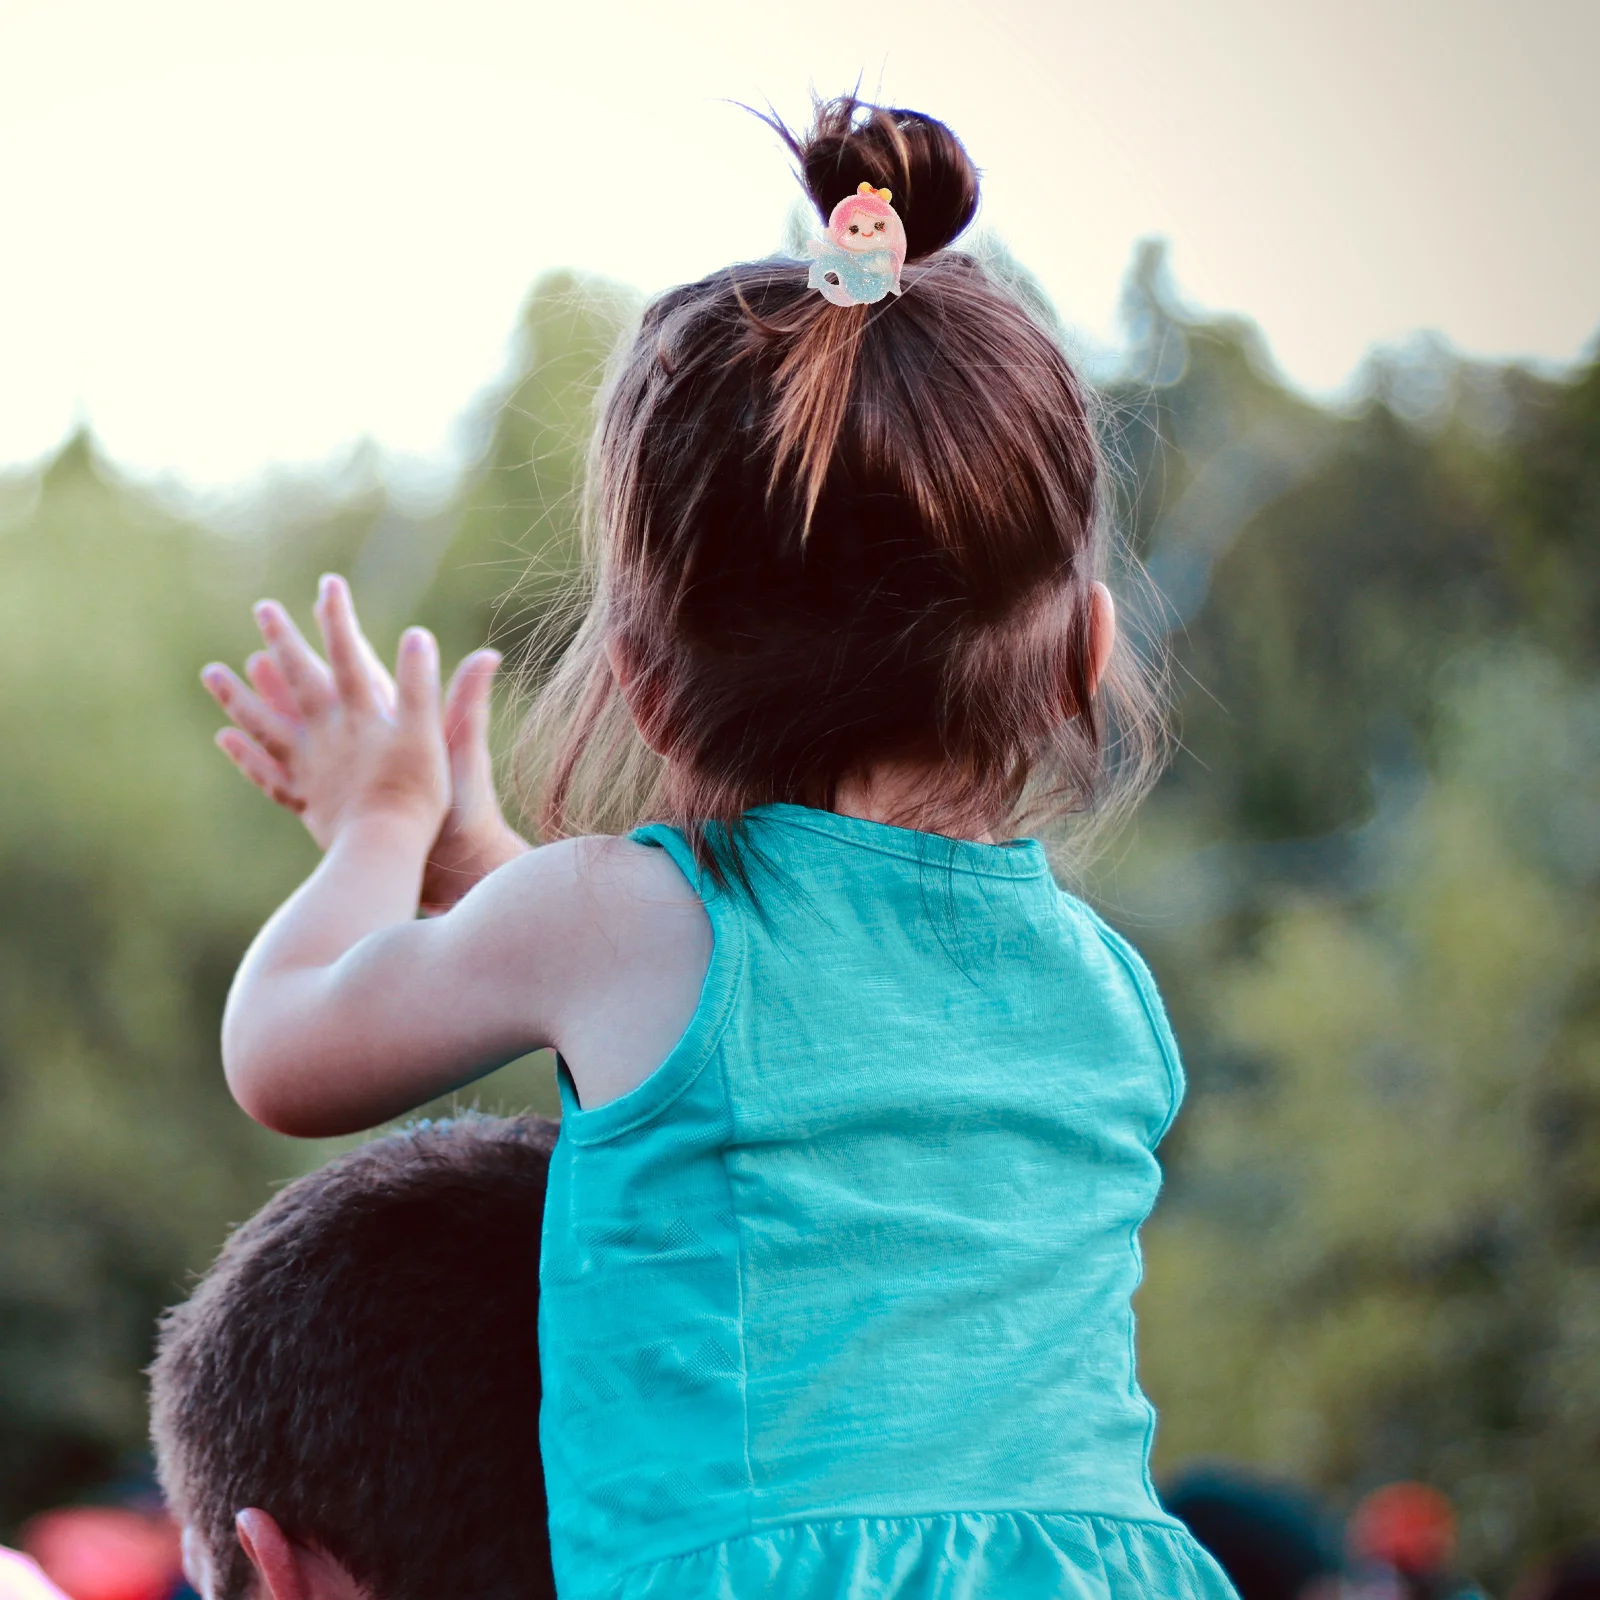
pixel 346 1010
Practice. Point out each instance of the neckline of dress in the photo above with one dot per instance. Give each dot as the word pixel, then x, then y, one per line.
pixel 1014 858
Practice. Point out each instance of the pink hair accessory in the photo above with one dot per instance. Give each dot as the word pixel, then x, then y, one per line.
pixel 858 260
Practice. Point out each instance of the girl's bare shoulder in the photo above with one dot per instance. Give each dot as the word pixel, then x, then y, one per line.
pixel 604 881
pixel 624 943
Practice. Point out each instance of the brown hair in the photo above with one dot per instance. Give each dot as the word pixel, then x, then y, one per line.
pixel 832 536
pixel 362 1363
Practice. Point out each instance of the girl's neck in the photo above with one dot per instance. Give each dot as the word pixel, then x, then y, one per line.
pixel 906 794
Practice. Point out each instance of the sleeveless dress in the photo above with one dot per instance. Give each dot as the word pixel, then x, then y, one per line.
pixel 836 1303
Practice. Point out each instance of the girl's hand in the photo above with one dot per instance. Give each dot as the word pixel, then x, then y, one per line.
pixel 340 740
pixel 474 838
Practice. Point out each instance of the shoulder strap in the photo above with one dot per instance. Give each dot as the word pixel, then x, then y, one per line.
pixel 666 837
pixel 744 880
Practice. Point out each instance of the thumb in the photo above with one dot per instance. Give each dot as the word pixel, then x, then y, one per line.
pixel 466 701
pixel 466 729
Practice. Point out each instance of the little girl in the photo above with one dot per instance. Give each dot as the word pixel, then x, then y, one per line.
pixel 859 1107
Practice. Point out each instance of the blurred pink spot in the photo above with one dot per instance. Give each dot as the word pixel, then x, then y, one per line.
pixel 1409 1526
pixel 104 1553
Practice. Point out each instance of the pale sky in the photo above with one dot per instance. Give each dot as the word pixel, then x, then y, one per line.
pixel 235 235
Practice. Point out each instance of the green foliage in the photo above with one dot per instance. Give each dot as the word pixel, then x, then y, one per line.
pixel 129 878
pixel 519 524
pixel 135 867
pixel 1379 1256
pixel 1368 887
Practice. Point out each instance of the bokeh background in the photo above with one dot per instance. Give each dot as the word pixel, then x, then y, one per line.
pixel 306 287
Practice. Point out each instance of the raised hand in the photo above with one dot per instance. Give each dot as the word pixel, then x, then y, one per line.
pixel 268 743
pixel 354 744
pixel 475 838
pixel 249 745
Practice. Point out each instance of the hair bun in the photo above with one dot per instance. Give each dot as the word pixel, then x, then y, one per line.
pixel 917 158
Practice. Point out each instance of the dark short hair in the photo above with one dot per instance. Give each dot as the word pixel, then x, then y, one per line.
pixel 362 1363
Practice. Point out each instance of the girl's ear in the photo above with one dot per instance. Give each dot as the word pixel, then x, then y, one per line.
pixel 641 697
pixel 1102 633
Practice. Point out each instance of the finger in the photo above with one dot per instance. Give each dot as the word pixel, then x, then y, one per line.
pixel 466 701
pixel 466 732
pixel 377 673
pixel 275 734
pixel 302 669
pixel 416 679
pixel 336 618
pixel 267 681
pixel 260 769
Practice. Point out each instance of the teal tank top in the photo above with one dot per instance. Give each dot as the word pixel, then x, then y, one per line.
pixel 837 1301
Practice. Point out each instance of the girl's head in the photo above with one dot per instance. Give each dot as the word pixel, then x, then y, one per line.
pixel 866 221
pixel 830 538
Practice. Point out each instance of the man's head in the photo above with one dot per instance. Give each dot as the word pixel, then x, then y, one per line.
pixel 348 1404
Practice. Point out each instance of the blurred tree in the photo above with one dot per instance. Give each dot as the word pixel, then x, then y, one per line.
pixel 514 545
pixel 1379 1255
pixel 1368 887
pixel 1550 526
pixel 135 866
pixel 130 877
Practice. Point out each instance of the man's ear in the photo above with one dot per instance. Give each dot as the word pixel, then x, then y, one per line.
pixel 286 1570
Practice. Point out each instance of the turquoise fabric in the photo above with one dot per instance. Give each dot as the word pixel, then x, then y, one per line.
pixel 837 1301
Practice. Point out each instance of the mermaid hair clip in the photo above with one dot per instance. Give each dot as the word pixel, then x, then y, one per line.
pixel 858 260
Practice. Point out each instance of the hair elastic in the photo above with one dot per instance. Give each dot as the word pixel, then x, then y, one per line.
pixel 858 260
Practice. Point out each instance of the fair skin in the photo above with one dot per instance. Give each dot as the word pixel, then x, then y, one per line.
pixel 347 1010
pixel 284 1570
